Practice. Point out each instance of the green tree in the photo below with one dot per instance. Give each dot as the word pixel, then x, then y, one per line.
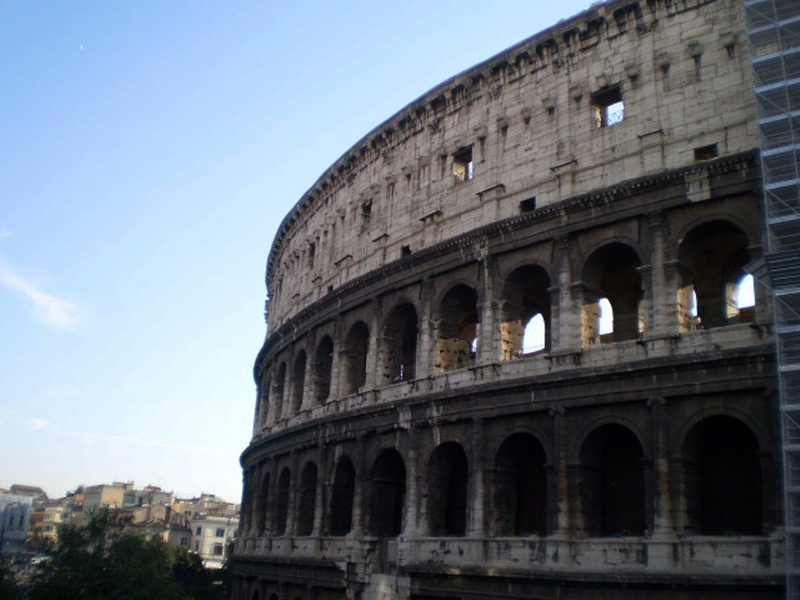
pixel 8 586
pixel 103 561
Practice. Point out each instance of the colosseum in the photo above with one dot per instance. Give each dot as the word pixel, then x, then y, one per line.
pixel 514 349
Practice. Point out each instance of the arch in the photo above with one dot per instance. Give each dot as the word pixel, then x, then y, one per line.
pixel 612 273
pixel 306 506
pixel 263 409
pixel 712 258
pixel 355 357
pixel 525 297
pixel 611 482
pixel 388 494
pixel 298 381
pixel 448 479
pixel 323 363
pixel 282 504
pixel 722 478
pixel 344 485
pixel 400 344
pixel 280 389
pixel 520 487
pixel 458 328
pixel 262 505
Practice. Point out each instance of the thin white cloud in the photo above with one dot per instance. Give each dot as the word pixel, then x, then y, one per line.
pixel 50 310
pixel 39 424
pixel 4 234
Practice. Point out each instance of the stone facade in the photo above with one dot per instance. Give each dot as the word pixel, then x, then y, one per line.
pixel 410 441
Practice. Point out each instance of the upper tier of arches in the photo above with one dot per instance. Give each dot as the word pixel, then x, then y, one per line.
pixel 521 132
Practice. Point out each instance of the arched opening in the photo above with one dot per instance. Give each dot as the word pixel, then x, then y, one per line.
pixel 344 485
pixel 458 328
pixel 520 492
pixel 742 299
pixel 612 274
pixel 447 490
pixel 308 499
pixel 722 478
pixel 712 259
pixel 280 387
pixel 400 344
pixel 611 489
pixel 298 381
pixel 263 409
pixel 356 349
pixel 526 312
pixel 282 505
pixel 388 494
pixel 323 363
pixel 262 505
pixel 534 337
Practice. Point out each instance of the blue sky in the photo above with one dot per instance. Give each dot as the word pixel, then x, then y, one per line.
pixel 148 151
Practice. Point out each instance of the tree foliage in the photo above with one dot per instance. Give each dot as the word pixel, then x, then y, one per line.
pixel 105 561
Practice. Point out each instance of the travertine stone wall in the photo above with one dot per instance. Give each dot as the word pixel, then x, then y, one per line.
pixel 529 117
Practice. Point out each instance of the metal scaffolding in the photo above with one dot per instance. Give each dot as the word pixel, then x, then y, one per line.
pixel 773 29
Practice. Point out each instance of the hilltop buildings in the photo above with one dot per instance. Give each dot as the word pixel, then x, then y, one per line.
pixel 537 365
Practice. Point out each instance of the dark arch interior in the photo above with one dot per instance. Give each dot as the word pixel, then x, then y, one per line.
pixel 447 490
pixel 612 482
pixel 388 494
pixel 520 487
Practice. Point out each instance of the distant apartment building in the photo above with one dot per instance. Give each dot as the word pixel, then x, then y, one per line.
pixel 46 519
pixel 211 535
pixel 15 514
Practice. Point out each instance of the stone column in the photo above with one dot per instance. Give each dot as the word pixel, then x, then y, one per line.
pixel 320 497
pixel 374 371
pixel 558 476
pixel 426 338
pixel 475 526
pixel 569 313
pixel 663 318
pixel 488 332
pixel 412 498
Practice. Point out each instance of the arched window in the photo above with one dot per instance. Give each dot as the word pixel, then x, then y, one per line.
pixel 722 478
pixel 526 312
pixel 280 386
pixel 323 363
pixel 742 299
pixel 520 492
pixel 308 499
pixel 263 408
pixel 611 485
pixel 458 328
pixel 447 490
pixel 388 494
pixel 282 505
pixel 344 484
pixel 356 348
pixel 712 257
pixel 611 274
pixel 262 505
pixel 400 344
pixel 298 381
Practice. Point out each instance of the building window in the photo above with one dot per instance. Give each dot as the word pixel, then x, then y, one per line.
pixel 218 549
pixel 220 532
pixel 609 109
pixel 199 531
pixel 462 164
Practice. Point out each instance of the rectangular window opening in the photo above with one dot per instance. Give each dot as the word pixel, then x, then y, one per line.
pixel 527 205
pixel 706 152
pixel 405 251
pixel 609 109
pixel 462 164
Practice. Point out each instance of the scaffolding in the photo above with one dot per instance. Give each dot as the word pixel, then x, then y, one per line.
pixel 773 29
